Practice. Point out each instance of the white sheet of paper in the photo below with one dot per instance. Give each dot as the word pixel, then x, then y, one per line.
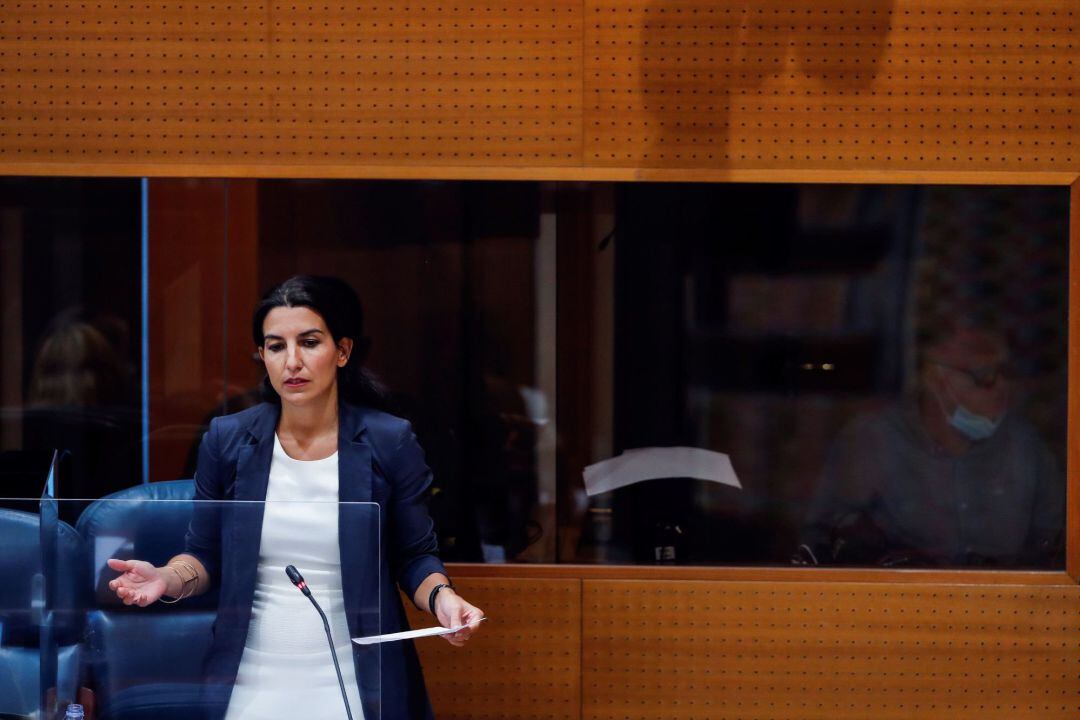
pixel 653 463
pixel 410 634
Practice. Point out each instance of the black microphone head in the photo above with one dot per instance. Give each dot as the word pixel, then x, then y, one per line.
pixel 297 579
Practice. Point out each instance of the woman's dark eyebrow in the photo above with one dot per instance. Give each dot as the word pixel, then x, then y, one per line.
pixel 278 337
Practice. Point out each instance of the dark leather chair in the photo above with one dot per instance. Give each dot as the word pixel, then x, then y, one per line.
pixel 145 662
pixel 42 603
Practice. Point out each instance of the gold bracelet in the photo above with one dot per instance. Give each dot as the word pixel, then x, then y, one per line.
pixel 182 584
pixel 193 575
pixel 192 580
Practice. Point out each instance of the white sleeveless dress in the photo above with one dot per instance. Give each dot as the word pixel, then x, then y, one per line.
pixel 286 665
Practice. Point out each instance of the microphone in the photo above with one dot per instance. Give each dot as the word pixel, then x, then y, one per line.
pixel 298 580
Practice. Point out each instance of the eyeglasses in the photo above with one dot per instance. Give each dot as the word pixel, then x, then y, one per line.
pixel 986 376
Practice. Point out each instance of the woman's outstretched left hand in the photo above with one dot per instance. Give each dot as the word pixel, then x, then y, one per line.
pixel 452 611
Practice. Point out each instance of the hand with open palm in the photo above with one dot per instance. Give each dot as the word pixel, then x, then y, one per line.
pixel 139 584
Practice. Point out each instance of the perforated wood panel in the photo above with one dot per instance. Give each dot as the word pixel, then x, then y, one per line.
pixel 524 663
pixel 829 650
pixel 361 82
pixel 566 88
pixel 832 84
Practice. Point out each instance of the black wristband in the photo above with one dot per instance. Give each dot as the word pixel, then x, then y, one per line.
pixel 435 591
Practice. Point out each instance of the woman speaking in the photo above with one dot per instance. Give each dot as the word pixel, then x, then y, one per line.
pixel 317 440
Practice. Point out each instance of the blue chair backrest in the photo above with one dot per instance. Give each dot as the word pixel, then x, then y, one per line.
pixel 42 608
pixel 25 598
pixel 144 522
pixel 20 678
pixel 146 662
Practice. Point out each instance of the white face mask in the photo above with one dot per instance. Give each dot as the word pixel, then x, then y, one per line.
pixel 970 424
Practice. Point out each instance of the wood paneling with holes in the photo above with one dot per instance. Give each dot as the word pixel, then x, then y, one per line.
pixel 362 82
pixel 708 650
pixel 840 84
pixel 828 650
pixel 524 663
pixel 572 89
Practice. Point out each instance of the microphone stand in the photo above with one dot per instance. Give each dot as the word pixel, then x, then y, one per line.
pixel 298 581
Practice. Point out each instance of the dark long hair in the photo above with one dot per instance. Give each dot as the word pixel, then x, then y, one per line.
pixel 337 303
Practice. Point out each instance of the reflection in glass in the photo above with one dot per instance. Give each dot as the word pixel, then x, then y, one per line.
pixel 70 293
pixel 885 367
pixel 951 475
pixel 458 285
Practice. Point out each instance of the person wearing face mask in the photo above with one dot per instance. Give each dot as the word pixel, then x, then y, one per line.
pixel 950 477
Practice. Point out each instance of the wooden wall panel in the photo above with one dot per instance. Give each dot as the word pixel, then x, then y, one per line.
pixel 524 663
pixel 355 82
pixel 202 265
pixel 832 84
pixel 603 649
pixel 828 650
pixel 573 89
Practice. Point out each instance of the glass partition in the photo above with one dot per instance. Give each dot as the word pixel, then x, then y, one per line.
pixel 703 374
pixel 859 375
pixel 70 293
pixel 250 644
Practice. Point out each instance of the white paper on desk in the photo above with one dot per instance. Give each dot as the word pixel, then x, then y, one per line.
pixel 654 463
pixel 410 634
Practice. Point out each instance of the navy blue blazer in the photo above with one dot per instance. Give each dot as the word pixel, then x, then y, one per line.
pixel 379 461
